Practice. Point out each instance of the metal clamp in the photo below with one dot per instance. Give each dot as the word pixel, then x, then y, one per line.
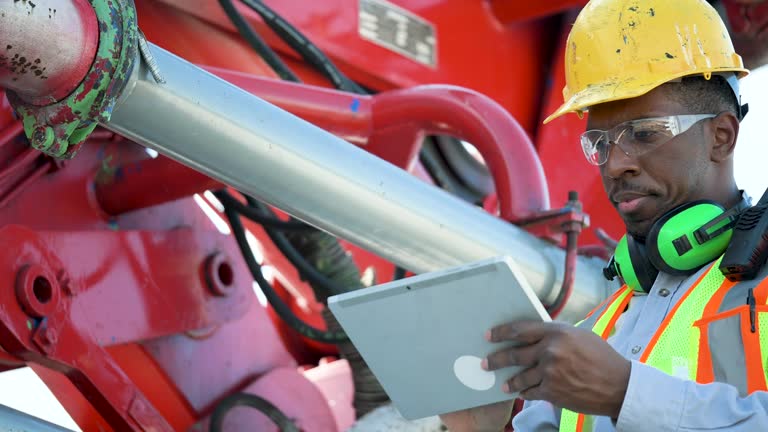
pixel 61 128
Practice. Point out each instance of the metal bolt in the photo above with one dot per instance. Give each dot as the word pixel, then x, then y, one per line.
pixel 663 292
pixel 636 349
pixel 43 137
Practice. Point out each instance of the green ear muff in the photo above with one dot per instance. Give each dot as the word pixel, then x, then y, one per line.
pixel 688 237
pixel 679 243
pixel 631 264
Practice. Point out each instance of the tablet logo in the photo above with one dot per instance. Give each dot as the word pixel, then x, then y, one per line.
pixel 469 372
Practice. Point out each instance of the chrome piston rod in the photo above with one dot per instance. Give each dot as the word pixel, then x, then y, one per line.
pixel 243 141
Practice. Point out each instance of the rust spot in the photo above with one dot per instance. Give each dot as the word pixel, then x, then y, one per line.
pixel 669 56
pixel 652 12
pixel 633 8
pixel 632 24
pixel 618 51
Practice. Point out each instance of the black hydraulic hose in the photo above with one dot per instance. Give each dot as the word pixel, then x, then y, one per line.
pixel 261 219
pixel 282 421
pixel 399 273
pixel 306 270
pixel 257 43
pixel 314 252
pixel 304 47
pixel 282 310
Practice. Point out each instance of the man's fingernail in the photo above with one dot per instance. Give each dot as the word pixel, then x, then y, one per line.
pixel 505 388
pixel 488 335
pixel 484 364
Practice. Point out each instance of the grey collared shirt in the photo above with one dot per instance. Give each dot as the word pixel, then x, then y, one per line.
pixel 656 401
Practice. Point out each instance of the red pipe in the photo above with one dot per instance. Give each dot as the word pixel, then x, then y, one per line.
pixel 390 125
pixel 346 115
pixel 46 47
pixel 508 152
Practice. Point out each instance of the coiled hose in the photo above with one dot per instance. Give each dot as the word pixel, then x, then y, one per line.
pixel 325 253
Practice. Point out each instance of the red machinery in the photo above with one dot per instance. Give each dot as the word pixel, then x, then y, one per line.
pixel 125 292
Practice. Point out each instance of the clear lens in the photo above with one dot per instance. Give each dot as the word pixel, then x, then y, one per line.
pixel 648 132
pixel 636 137
pixel 595 146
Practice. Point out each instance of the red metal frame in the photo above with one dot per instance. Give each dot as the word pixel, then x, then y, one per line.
pixel 134 327
pixel 113 195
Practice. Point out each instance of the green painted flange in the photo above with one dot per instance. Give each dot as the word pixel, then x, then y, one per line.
pixel 61 128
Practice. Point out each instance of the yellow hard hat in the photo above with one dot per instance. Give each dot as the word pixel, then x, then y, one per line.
pixel 620 49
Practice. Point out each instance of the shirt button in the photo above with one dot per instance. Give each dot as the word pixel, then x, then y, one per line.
pixel 636 349
pixel 663 292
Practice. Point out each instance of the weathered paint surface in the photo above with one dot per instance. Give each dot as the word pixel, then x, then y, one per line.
pixel 61 128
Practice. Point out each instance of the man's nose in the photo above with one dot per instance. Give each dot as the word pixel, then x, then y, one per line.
pixel 619 163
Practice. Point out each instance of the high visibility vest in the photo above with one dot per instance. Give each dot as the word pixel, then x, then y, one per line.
pixel 708 336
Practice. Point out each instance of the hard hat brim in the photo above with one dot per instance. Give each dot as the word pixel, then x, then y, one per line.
pixel 620 90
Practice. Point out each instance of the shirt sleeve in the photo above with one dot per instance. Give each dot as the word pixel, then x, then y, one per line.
pixel 660 402
pixel 537 416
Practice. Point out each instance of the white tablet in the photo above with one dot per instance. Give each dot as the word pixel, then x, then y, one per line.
pixel 423 336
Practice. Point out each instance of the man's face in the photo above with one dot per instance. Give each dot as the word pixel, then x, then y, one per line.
pixel 644 187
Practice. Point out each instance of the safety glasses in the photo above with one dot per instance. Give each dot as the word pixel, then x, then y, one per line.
pixel 636 137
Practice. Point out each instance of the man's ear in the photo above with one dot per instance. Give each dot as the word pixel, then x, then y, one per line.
pixel 725 131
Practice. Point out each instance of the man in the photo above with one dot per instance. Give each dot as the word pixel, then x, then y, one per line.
pixel 659 79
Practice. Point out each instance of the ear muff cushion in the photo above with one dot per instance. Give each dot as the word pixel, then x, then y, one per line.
pixel 622 263
pixel 644 271
pixel 672 247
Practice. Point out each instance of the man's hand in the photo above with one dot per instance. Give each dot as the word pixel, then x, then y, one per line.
pixel 569 367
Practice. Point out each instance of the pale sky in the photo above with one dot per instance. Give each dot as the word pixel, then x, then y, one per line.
pixel 753 139
pixel 22 390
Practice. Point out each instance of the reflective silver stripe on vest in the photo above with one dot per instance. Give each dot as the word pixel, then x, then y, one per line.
pixel 727 350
